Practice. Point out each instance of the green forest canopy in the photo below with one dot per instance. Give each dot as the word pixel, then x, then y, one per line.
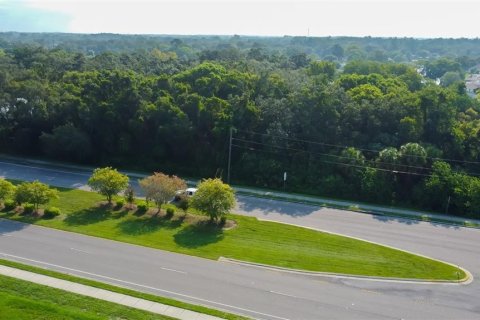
pixel 340 115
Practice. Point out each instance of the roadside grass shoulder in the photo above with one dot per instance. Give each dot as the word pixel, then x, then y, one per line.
pixel 251 240
pixel 20 300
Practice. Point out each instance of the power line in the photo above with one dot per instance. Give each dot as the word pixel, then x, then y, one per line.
pixel 346 164
pixel 405 167
pixel 344 147
pixel 329 155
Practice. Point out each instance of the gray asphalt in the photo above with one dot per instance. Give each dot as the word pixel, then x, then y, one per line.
pixel 255 292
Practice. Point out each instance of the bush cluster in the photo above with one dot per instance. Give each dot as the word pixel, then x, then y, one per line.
pixel 51 213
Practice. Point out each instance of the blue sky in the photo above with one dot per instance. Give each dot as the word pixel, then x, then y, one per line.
pixel 18 16
pixel 421 18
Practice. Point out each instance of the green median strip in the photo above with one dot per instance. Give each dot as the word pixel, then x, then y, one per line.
pixel 23 300
pixel 121 290
pixel 250 240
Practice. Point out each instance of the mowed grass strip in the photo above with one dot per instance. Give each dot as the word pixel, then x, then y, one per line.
pixel 128 292
pixel 251 240
pixel 22 300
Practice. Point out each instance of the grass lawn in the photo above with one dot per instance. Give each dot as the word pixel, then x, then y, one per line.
pixel 24 300
pixel 251 240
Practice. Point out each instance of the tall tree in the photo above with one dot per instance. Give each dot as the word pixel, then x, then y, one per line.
pixel 214 198
pixel 161 188
pixel 108 182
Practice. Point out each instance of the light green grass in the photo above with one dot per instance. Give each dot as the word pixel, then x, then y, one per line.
pixel 22 300
pixel 252 240
pixel 121 290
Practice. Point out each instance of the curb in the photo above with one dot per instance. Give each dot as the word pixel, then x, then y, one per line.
pixel 104 294
pixel 277 198
pixel 359 210
pixel 467 280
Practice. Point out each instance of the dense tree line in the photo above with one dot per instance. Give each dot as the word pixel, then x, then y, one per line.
pixel 466 51
pixel 367 130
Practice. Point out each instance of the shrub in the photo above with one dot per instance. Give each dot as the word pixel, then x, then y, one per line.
pixel 9 205
pixel 183 202
pixel 119 203
pixel 130 195
pixel 7 189
pixel 223 220
pixel 28 208
pixel 51 213
pixel 142 207
pixel 170 213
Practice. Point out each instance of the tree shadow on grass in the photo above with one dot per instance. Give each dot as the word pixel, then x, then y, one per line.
pixel 7 214
pixel 412 221
pixel 148 225
pixel 198 235
pixel 119 214
pixel 87 216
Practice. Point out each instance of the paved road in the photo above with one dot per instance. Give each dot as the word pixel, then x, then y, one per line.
pixel 255 292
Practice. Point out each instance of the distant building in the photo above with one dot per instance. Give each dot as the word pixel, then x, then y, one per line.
pixel 472 84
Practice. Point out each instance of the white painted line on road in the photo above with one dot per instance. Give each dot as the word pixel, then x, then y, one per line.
pixel 78 250
pixel 173 270
pixel 146 287
pixel 283 294
pixel 5 235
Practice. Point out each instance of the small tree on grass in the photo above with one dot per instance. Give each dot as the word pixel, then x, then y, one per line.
pixel 36 193
pixel 161 188
pixel 22 193
pixel 7 190
pixel 108 182
pixel 41 193
pixel 214 198
pixel 130 196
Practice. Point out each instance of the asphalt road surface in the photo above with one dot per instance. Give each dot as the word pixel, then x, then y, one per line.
pixel 258 293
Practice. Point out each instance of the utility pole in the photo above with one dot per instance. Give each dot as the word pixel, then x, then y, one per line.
pixel 229 155
pixel 448 204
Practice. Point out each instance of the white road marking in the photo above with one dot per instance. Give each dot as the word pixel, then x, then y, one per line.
pixel 173 270
pixel 283 294
pixel 146 287
pixel 78 250
pixel 5 235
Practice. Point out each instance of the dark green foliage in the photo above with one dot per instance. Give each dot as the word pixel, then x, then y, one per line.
pixel 9 205
pixel 130 195
pixel 68 143
pixel 223 220
pixel 142 207
pixel 119 203
pixel 170 213
pixel 297 104
pixel 28 208
pixel 51 212
pixel 183 202
pixel 35 193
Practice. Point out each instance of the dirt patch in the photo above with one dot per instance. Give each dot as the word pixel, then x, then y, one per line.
pixel 229 225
